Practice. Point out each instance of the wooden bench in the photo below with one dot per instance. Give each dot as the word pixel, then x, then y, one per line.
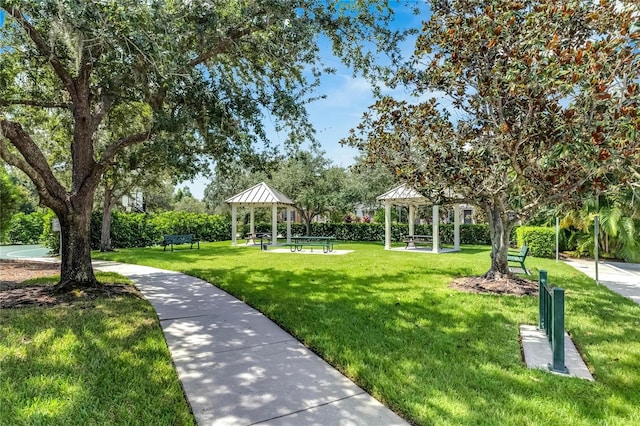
pixel 519 257
pixel 412 241
pixel 171 240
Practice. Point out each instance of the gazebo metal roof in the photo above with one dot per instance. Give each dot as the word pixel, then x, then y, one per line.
pixel 260 195
pixel 402 195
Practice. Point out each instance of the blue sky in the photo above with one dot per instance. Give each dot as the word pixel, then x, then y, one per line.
pixel 347 98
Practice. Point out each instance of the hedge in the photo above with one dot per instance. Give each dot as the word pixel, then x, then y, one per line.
pixel 26 228
pixel 140 230
pixel 469 234
pixel 541 240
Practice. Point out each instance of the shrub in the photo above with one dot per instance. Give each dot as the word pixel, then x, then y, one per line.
pixel 26 228
pixel 50 238
pixel 541 240
pixel 143 230
pixel 355 231
pixel 140 230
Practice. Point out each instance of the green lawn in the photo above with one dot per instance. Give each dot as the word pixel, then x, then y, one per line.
pixel 435 355
pixel 95 362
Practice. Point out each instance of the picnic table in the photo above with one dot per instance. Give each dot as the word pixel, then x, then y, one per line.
pixel 412 241
pixel 264 238
pixel 311 241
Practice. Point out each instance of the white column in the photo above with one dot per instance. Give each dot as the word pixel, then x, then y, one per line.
pixel 289 210
pixel 252 227
pixel 234 224
pixel 387 225
pixel 274 225
pixel 412 213
pixel 456 227
pixel 436 229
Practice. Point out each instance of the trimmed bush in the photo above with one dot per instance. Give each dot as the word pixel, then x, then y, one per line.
pixel 26 228
pixel 140 230
pixel 469 234
pixel 541 240
pixel 144 230
pixel 49 238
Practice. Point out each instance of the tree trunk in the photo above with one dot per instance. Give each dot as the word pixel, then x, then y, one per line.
pixel 500 230
pixel 304 214
pixel 105 231
pixel 76 269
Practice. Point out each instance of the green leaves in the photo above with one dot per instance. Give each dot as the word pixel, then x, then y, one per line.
pixel 539 103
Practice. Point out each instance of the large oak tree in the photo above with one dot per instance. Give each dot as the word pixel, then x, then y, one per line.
pixel 204 72
pixel 537 103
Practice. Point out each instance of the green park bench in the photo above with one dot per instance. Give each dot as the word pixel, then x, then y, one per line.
pixel 171 240
pixel 520 257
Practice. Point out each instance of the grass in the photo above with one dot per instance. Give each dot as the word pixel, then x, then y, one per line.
pixel 103 361
pixel 433 354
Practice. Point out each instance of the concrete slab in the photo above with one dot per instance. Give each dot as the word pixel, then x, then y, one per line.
pixel 309 251
pixel 425 249
pixel 537 352
pixel 227 329
pixel 357 410
pixel 252 385
pixel 175 295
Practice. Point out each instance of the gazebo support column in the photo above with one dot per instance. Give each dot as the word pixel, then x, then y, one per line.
pixel 252 215
pixel 456 227
pixel 412 214
pixel 289 210
pixel 274 225
pixel 234 224
pixel 387 226
pixel 436 228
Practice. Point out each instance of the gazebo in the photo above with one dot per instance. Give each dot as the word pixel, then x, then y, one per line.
pixel 262 196
pixel 406 196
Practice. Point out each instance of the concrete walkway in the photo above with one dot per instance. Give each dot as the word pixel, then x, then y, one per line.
pixel 623 278
pixel 239 368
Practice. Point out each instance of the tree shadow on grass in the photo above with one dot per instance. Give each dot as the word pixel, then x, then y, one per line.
pixel 430 355
pixel 102 362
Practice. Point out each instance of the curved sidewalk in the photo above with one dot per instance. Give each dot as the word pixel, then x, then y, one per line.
pixel 623 278
pixel 239 368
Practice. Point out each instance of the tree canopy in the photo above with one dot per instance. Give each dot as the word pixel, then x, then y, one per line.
pixel 195 77
pixel 511 116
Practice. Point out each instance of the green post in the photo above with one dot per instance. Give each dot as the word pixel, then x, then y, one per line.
pixel 557 322
pixel 542 281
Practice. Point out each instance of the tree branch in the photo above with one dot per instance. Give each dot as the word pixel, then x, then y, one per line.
pixel 35 103
pixel 38 173
pixel 101 111
pixel 115 147
pixel 222 46
pixel 43 48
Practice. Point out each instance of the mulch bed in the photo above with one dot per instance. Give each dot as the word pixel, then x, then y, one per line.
pixel 14 294
pixel 515 286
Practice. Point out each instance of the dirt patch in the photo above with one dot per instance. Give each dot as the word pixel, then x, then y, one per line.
pixel 515 286
pixel 13 272
pixel 14 294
